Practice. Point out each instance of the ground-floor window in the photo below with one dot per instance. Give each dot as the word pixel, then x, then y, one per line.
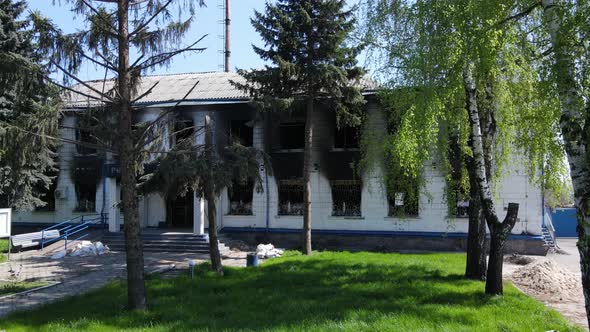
pixel 346 198
pixel 86 173
pixel 240 198
pixel 86 197
pixel 404 204
pixel 462 209
pixel 290 197
pixel 47 193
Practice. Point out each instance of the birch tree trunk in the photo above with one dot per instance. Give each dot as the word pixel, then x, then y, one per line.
pixel 499 231
pixel 476 264
pixel 574 130
pixel 306 177
pixel 136 294
pixel 210 196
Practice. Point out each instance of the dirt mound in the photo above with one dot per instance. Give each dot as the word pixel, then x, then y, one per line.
pixel 519 259
pixel 547 280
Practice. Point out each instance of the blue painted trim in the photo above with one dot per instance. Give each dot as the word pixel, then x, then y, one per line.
pixel 368 233
pixel 44 224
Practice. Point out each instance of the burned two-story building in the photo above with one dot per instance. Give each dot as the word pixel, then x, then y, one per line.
pixel 349 210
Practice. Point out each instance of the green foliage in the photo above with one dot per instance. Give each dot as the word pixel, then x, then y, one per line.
pixel 427 44
pixel 185 167
pixel 306 43
pixel 28 115
pixel 328 291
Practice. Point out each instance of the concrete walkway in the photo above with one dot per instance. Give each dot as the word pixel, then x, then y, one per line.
pixel 79 275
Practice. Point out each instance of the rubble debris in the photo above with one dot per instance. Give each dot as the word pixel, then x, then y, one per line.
pixel 82 249
pixel 268 251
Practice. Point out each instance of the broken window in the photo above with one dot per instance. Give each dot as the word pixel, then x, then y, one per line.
pixel 241 132
pixel 183 130
pixel 240 198
pixel 86 172
pixel 290 197
pixel 48 193
pixel 346 198
pixel 346 138
pixel 292 136
pixel 404 204
pixel 86 139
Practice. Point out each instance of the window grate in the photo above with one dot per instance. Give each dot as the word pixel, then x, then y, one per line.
pixel 240 198
pixel 290 197
pixel 346 198
pixel 401 206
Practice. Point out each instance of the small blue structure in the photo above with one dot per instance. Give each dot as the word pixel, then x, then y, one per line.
pixel 564 222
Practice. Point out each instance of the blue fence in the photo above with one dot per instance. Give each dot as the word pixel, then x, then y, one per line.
pixel 564 222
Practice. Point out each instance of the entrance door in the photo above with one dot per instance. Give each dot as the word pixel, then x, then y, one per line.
pixel 179 211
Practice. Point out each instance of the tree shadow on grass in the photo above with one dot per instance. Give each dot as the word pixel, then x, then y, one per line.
pixel 290 294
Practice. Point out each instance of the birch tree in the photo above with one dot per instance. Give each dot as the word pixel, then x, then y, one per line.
pixel 125 38
pixel 469 66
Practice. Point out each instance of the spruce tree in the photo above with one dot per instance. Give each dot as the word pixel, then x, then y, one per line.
pixel 28 115
pixel 311 63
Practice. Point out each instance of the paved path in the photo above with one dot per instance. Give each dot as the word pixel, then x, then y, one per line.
pixel 78 275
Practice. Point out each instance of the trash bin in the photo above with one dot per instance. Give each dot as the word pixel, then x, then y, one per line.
pixel 252 259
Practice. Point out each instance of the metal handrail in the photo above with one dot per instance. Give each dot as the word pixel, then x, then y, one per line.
pixel 71 229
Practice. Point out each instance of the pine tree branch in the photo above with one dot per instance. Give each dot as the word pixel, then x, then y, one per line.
pixel 97 13
pixel 61 86
pixel 163 57
pixel 145 93
pixel 146 23
pixel 163 114
pixel 75 78
pixel 96 62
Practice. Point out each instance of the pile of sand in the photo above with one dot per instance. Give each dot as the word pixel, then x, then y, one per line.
pixel 547 280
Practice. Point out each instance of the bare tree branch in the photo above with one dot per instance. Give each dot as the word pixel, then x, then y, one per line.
pixel 163 57
pixel 81 82
pixel 145 93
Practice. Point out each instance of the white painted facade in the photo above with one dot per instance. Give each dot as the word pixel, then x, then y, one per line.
pixel 515 187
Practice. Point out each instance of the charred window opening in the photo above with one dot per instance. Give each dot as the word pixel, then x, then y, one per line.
pixel 292 136
pixel 346 138
pixel 48 193
pixel 346 198
pixel 87 171
pixel 183 130
pixel 241 133
pixel 404 204
pixel 240 198
pixel 86 140
pixel 291 197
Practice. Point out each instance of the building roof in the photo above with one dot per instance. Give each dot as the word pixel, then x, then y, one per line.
pixel 213 88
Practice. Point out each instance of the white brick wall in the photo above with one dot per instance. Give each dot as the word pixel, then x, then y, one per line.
pixel 433 211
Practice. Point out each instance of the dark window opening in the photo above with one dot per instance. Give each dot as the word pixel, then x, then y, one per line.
pixel 183 130
pixel 346 198
pixel 292 136
pixel 241 133
pixel 347 138
pixel 403 204
pixel 86 140
pixel 290 197
pixel 240 198
pixel 47 194
pixel 86 197
pixel 462 209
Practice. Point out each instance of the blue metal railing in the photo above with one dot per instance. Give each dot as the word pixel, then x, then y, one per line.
pixel 72 227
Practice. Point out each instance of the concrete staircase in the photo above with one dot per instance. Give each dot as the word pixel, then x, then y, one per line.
pixel 548 239
pixel 164 242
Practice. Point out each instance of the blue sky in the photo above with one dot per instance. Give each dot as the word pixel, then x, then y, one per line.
pixel 207 21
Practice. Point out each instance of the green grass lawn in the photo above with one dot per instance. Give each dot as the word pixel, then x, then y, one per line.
pixel 3 249
pixel 326 292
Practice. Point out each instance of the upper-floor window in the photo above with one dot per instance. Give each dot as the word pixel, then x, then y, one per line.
pixel 292 136
pixel 183 130
pixel 347 138
pixel 86 142
pixel 241 132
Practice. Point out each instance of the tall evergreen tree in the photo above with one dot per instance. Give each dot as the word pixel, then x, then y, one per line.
pixel 28 115
pixel 125 38
pixel 312 64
